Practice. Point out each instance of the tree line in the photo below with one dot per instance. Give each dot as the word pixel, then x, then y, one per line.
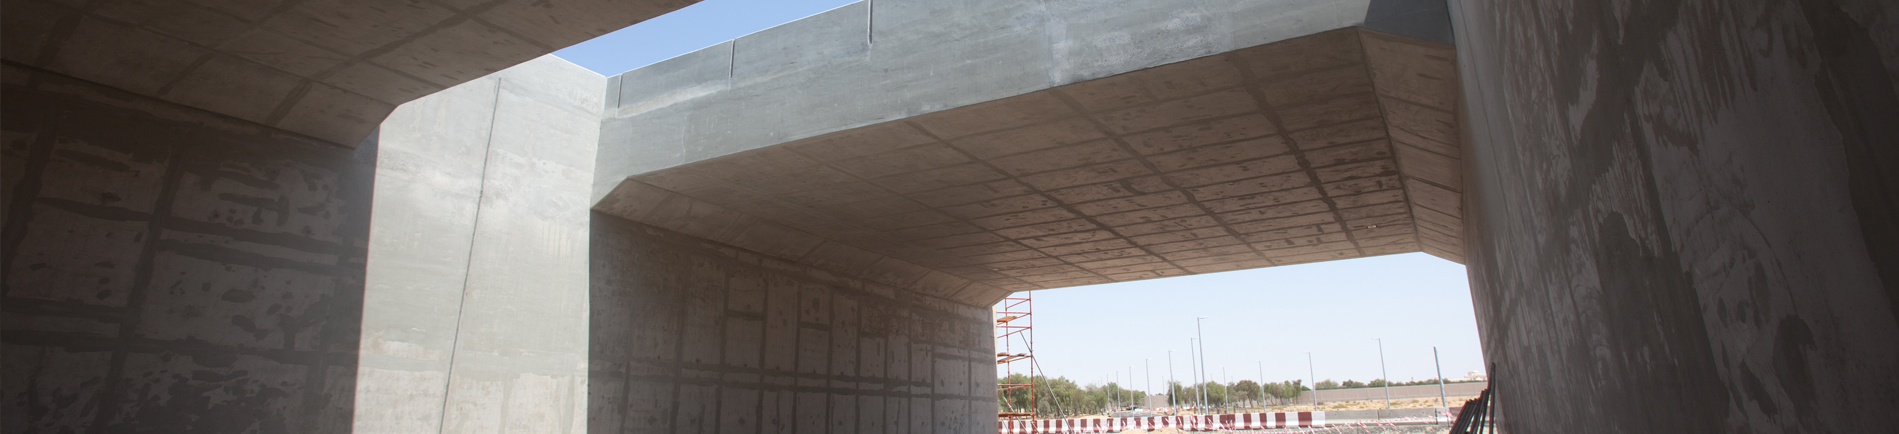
pixel 1351 384
pixel 1061 397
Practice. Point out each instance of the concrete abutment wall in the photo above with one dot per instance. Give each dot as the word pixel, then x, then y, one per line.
pixel 690 335
pixel 1681 213
pixel 171 269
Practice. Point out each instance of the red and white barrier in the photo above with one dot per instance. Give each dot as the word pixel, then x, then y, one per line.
pixel 1211 422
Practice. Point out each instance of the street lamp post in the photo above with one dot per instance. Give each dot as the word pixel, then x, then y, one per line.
pixel 1440 379
pixel 1147 380
pixel 1172 387
pixel 1315 381
pixel 1382 371
pixel 1203 357
pixel 1262 385
pixel 1193 372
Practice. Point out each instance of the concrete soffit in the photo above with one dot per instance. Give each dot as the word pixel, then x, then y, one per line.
pixel 329 69
pixel 1337 145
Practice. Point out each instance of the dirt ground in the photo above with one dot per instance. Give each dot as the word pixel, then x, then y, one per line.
pixel 1374 404
pixel 1355 430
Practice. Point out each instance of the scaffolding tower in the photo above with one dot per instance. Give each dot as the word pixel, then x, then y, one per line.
pixel 1015 317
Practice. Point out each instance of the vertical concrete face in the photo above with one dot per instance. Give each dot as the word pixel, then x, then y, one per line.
pixel 477 299
pixel 1683 213
pixel 167 269
pixel 872 62
pixel 692 336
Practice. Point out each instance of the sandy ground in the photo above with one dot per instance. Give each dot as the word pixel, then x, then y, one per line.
pixel 1374 404
pixel 1352 430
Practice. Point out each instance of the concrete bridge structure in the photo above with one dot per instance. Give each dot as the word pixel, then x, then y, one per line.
pixel 349 216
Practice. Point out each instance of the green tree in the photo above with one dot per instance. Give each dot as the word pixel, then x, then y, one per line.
pixel 1349 384
pixel 1246 390
pixel 1326 384
pixel 1216 393
pixel 1287 390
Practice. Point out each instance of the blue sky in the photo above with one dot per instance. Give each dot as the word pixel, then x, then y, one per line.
pixel 1266 317
pixel 686 30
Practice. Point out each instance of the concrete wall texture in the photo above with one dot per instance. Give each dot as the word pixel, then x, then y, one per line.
pixel 808 78
pixel 172 270
pixel 330 69
pixel 1678 216
pixel 692 336
pixel 1682 213
pixel 475 316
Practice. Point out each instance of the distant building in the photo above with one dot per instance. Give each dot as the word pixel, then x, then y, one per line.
pixel 1475 376
pixel 1158 400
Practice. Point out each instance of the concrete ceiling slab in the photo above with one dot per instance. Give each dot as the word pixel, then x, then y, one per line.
pixel 1337 145
pixel 330 69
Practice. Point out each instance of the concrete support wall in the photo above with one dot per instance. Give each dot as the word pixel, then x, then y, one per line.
pixel 172 270
pixel 475 318
pixel 694 336
pixel 1682 212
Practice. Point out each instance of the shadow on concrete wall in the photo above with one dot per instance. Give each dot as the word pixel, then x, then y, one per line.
pixel 689 335
pixel 170 270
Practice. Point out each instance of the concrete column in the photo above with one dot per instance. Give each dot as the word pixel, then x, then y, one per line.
pixel 476 309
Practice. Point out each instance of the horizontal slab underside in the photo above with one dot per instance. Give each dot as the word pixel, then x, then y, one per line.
pixel 1332 146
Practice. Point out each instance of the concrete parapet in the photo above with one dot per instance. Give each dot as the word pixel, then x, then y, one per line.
pixel 892 59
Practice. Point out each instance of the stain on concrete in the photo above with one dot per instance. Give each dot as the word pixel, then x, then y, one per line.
pixel 1677 216
pixel 1658 338
pixel 679 344
pixel 151 311
pixel 1861 100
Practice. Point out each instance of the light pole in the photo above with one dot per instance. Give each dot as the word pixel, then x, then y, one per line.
pixel 1440 378
pixel 1193 371
pixel 1147 374
pixel 1203 356
pixel 1315 381
pixel 1262 385
pixel 1383 372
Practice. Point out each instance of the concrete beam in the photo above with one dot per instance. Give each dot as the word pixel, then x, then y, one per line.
pixel 880 61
